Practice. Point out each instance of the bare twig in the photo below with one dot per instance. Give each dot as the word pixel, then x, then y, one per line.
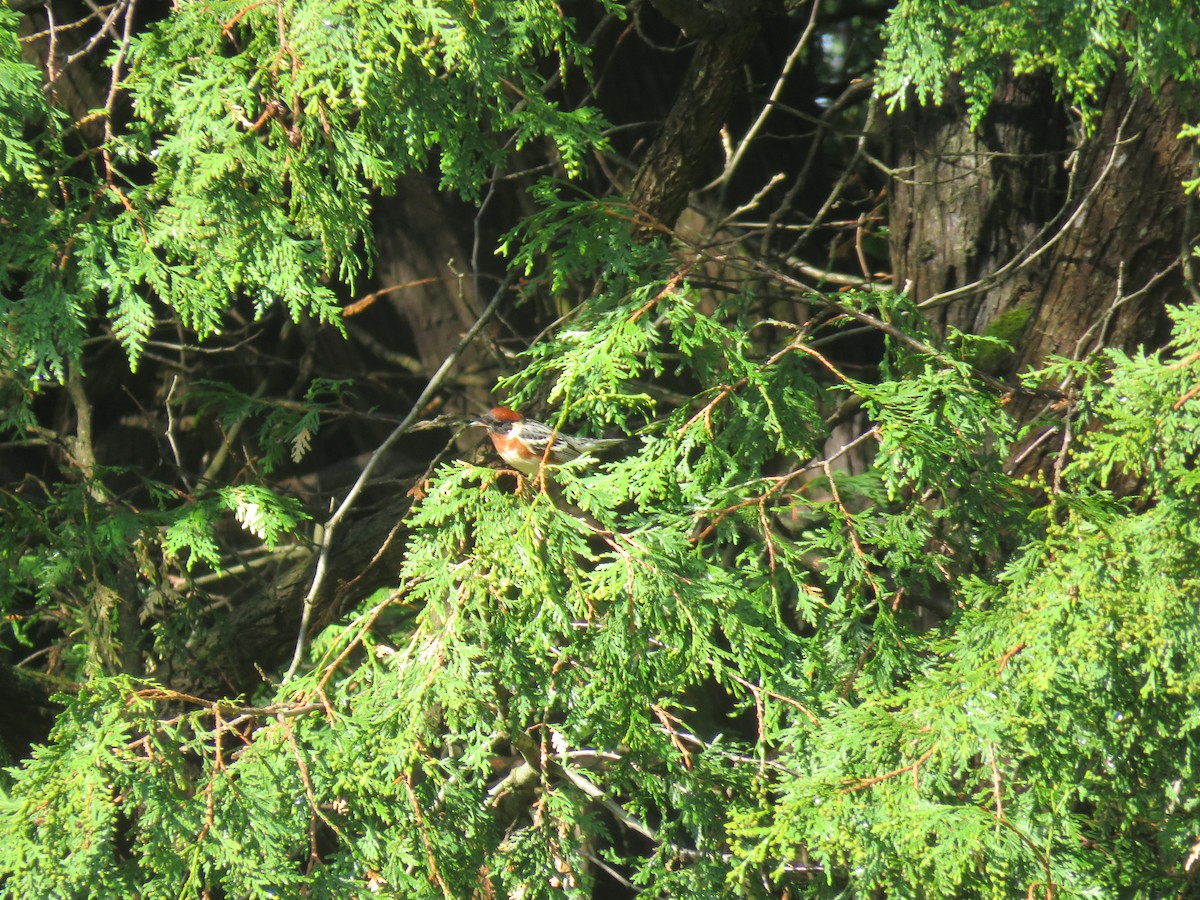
pixel 914 767
pixel 330 527
pixel 892 331
pixel 115 70
pixel 1009 654
pixel 835 193
pixel 423 829
pixel 106 30
pixel 170 432
pixel 811 271
pixel 52 69
pixel 735 158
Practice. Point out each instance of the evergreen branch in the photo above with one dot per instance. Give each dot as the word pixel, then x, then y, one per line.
pixel 855 542
pixel 423 829
pixel 779 482
pixel 364 625
pixel 316 812
pixel 227 708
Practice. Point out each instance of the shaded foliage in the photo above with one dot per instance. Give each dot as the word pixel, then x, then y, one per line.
pixel 743 657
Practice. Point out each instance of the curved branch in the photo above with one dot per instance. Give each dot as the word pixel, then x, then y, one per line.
pixel 674 162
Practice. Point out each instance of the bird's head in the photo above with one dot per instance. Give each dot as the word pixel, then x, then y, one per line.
pixel 499 418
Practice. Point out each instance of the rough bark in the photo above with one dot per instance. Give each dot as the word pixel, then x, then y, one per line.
pixel 423 266
pixel 965 202
pixel 1078 251
pixel 675 160
pixel 1118 265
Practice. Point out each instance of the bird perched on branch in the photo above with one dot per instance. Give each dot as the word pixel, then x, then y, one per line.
pixel 522 442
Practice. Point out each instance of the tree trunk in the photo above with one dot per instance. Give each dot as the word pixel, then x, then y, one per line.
pixel 965 203
pixel 1121 262
pixel 673 164
pixel 1001 231
pixel 425 281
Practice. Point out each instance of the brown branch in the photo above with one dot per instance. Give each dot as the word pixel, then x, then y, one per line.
pixel 106 29
pixel 673 163
pixel 365 301
pixel 911 767
pixel 775 696
pixel 1009 655
pixel 228 27
pixel 331 525
pixel 1192 392
pixel 116 68
pixel 306 780
pixel 996 783
pixel 666 719
pixel 423 828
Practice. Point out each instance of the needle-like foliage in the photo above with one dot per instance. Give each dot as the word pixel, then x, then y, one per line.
pixel 713 663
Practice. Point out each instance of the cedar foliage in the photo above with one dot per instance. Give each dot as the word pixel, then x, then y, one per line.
pixel 703 667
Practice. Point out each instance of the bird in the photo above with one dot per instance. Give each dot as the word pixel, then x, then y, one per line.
pixel 522 442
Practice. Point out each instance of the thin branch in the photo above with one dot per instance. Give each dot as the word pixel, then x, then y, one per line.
pixel 52 69
pixel 997 783
pixel 170 432
pixel 618 812
pixel 894 332
pixel 1100 327
pixel 51 29
pixel 779 482
pixel 280 553
pixel 752 132
pixel 913 766
pixel 1033 445
pixel 1009 655
pixel 330 527
pixel 353 309
pixel 115 69
pixel 82 450
pixel 848 173
pixel 753 202
pixel 106 30
pixel 775 696
pixel 228 439
pixel 831 277
pixel 611 872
